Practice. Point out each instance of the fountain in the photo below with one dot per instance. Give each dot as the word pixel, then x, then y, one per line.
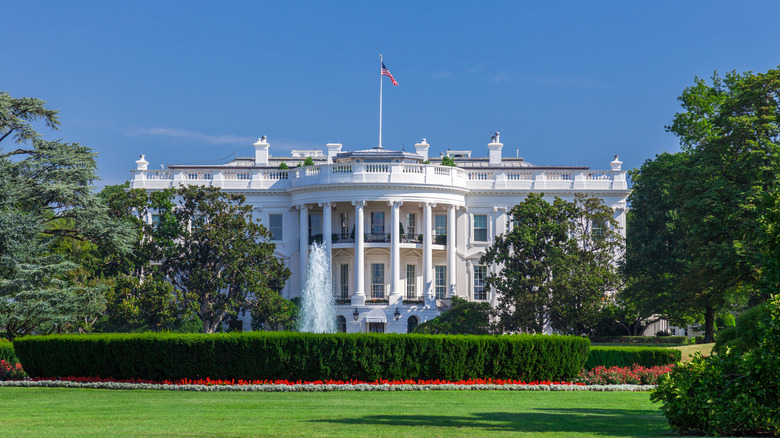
pixel 318 313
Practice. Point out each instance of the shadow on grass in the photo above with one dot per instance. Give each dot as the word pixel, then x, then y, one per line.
pixel 605 422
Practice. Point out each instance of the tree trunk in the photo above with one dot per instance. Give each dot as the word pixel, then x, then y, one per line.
pixel 709 325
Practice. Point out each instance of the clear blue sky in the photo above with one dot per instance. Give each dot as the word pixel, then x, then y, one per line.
pixel 566 83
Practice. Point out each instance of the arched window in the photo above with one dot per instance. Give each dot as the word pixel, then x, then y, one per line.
pixel 411 324
pixel 341 324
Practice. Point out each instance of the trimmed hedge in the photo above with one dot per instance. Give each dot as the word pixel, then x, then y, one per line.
pixel 303 356
pixel 628 356
pixel 7 351
pixel 640 340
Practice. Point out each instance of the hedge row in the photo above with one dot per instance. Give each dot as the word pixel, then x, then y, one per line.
pixel 640 340
pixel 7 351
pixel 303 356
pixel 628 356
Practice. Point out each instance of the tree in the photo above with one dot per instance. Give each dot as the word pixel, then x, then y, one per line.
pixel 463 318
pixel 45 198
pixel 213 252
pixel 656 255
pixel 446 160
pixel 722 195
pixel 556 265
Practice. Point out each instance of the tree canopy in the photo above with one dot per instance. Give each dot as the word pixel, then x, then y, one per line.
pixel 46 199
pixel 556 265
pixel 707 212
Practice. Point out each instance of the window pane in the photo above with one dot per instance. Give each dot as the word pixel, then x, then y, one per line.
pixel 440 275
pixel 411 281
pixel 344 277
pixel 341 324
pixel 315 225
pixel 275 226
pixel 377 280
pixel 480 228
pixel 378 224
pixel 480 272
pixel 410 225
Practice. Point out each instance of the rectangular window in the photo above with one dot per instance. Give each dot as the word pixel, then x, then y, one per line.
pixel 411 282
pixel 480 272
pixel 440 229
pixel 344 227
pixel 155 220
pixel 440 276
pixel 377 233
pixel 377 280
pixel 344 281
pixel 275 226
pixel 411 230
pixel 480 228
pixel 315 228
pixel 598 232
pixel 376 327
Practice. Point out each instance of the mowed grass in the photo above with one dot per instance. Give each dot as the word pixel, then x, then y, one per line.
pixel 65 412
pixel 689 350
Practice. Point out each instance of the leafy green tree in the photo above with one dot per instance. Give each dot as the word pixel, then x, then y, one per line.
pixel 718 204
pixel 45 198
pixel 556 266
pixel 446 160
pixel 213 252
pixel 272 311
pixel 462 318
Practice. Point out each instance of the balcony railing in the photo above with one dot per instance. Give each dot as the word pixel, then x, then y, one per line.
pixel 383 173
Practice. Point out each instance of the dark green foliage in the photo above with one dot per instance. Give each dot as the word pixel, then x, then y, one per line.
pixel 447 161
pixel 555 265
pixel 7 351
pixel 745 336
pixel 303 356
pixel 733 393
pixel 639 339
pixel 627 356
pixel 463 318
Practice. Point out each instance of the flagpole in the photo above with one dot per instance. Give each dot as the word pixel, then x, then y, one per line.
pixel 380 100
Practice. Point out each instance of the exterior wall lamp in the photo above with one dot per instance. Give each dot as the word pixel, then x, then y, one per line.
pixel 397 314
pixel 356 314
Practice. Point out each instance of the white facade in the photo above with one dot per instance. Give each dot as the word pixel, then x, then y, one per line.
pixel 404 236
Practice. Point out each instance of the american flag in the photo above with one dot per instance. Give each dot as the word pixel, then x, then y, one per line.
pixel 386 72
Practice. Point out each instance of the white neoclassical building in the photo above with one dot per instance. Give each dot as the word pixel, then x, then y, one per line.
pixel 404 235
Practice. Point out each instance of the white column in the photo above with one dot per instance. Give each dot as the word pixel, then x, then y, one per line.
pixel 327 231
pixel 430 299
pixel 304 248
pixel 395 255
pixel 450 251
pixel 359 295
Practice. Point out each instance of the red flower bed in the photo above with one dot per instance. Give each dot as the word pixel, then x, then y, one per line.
pixel 208 381
pixel 635 375
pixel 10 371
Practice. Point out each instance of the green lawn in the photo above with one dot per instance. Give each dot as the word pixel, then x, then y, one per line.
pixel 89 412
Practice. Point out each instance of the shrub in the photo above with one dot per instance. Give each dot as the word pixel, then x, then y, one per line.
pixel 303 356
pixel 7 351
pixel 11 371
pixel 463 318
pixel 639 339
pixel 731 393
pixel 744 336
pixel 628 356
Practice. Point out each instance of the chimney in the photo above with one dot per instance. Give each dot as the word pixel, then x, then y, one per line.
pixel 616 164
pixel 494 150
pixel 333 150
pixel 421 149
pixel 141 164
pixel 261 151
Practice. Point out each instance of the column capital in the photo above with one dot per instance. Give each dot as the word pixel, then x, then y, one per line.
pixel 301 206
pixel 497 209
pixel 326 204
pixel 428 204
pixel 395 203
pixel 257 208
pixel 359 203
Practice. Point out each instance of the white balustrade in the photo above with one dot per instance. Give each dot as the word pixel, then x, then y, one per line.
pixel 404 173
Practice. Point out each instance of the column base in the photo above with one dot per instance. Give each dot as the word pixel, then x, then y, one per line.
pixel 430 301
pixel 358 300
pixel 395 300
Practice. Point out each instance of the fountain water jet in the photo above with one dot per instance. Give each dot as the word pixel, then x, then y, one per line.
pixel 318 312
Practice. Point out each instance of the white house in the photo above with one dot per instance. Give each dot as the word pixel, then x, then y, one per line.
pixel 404 235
